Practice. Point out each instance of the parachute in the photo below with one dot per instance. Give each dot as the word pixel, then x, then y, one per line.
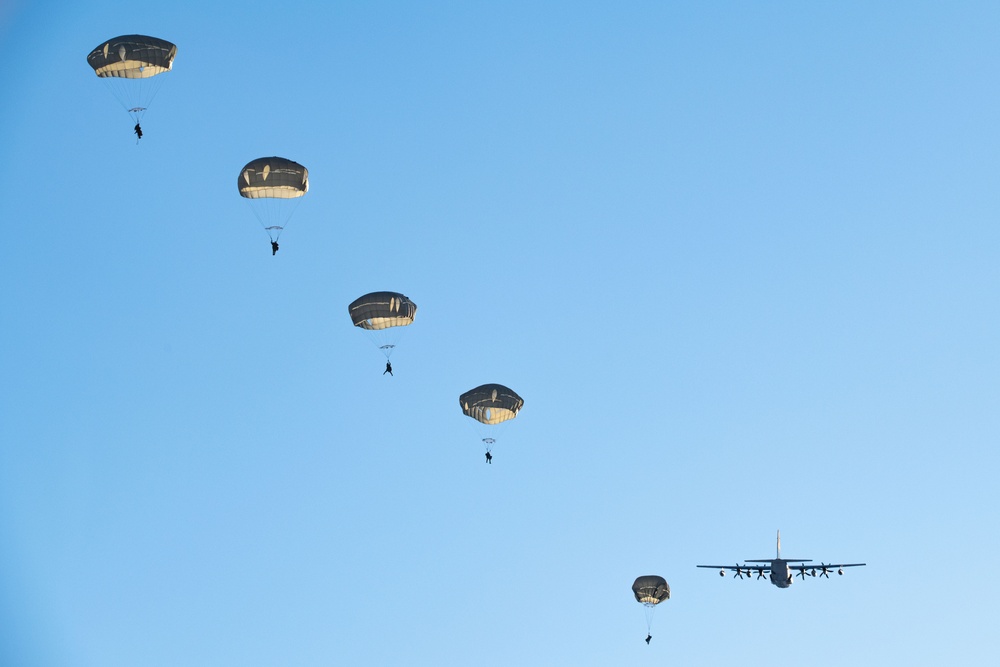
pixel 273 186
pixel 130 65
pixel 650 590
pixel 490 405
pixel 381 315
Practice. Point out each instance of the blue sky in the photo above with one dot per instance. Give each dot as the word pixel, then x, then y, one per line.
pixel 740 260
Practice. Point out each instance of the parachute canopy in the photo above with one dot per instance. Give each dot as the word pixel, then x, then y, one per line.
pixel 273 178
pixel 382 310
pixel 382 316
pixel 129 66
pixel 273 187
pixel 132 57
pixel 491 403
pixel 651 590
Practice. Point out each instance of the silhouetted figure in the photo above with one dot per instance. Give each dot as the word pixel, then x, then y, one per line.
pixel 489 458
pixel 274 248
pixel 138 132
pixel 388 368
pixel 648 637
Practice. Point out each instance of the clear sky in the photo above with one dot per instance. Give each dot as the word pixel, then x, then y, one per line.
pixel 741 260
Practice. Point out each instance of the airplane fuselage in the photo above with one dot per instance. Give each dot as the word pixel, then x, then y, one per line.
pixel 781 574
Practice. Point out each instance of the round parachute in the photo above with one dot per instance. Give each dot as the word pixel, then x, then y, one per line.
pixel 381 314
pixel 650 590
pixel 490 405
pixel 273 186
pixel 130 64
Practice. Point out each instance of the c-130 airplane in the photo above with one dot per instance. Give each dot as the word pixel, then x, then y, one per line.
pixel 780 570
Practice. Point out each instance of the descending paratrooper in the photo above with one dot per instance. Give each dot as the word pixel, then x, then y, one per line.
pixel 490 405
pixel 383 316
pixel 131 65
pixel 273 187
pixel 650 590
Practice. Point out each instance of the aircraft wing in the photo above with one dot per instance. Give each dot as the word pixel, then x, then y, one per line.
pixel 823 569
pixel 742 568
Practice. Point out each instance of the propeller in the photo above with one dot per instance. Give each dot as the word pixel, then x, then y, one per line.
pixel 824 570
pixel 802 572
pixel 739 573
pixel 760 573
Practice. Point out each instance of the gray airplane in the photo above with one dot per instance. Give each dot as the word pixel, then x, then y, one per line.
pixel 780 570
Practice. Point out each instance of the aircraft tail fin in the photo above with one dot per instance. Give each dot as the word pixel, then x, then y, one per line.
pixel 778 557
pixel 790 560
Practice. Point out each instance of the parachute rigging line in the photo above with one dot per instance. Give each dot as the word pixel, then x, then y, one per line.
pixel 268 210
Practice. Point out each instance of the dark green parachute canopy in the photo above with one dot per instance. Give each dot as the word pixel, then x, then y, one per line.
pixel 381 310
pixel 491 403
pixel 132 57
pixel 273 178
pixel 651 590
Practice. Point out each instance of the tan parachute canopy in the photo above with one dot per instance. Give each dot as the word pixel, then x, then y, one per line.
pixel 381 310
pixel 651 590
pixel 491 403
pixel 132 57
pixel 274 178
